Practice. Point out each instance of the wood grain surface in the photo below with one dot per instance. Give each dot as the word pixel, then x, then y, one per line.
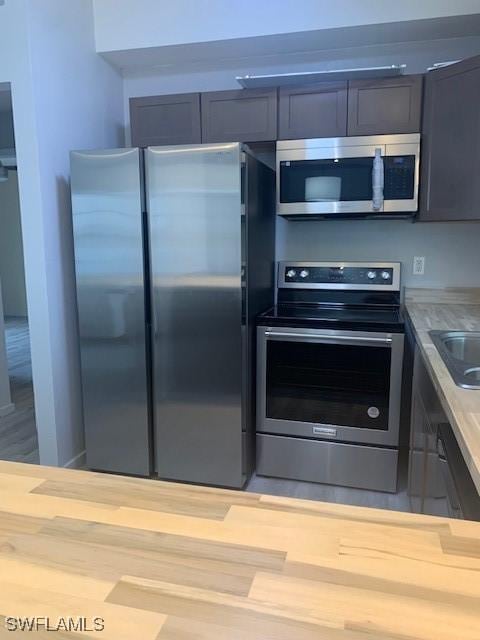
pixel 440 311
pixel 165 561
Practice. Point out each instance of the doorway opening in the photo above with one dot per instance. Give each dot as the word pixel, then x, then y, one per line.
pixel 18 433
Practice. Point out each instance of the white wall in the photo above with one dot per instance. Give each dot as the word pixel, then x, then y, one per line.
pixel 64 96
pixel 78 105
pixel 123 24
pixel 15 68
pixel 12 272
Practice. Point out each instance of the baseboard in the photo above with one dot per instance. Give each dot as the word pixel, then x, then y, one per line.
pixel 77 462
pixel 7 409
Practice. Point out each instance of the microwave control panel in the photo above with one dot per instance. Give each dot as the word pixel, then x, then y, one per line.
pixel 399 177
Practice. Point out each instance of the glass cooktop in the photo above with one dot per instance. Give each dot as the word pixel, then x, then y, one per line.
pixel 310 315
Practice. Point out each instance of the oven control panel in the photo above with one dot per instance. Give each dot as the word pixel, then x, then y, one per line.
pixel 340 275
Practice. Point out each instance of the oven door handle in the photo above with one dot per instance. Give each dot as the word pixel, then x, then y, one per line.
pixel 321 337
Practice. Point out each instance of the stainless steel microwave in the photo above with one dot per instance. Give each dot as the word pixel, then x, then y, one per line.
pixel 369 175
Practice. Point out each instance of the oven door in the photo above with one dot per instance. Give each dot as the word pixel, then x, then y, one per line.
pixel 323 384
pixel 336 176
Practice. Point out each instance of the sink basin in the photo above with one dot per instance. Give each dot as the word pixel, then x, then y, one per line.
pixel 463 346
pixel 460 350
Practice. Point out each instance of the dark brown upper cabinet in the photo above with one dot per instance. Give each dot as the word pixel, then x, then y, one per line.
pixel 312 111
pixel 385 105
pixel 450 167
pixel 170 119
pixel 244 115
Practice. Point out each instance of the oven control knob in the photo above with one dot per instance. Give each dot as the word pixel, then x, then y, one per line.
pixel 371 275
pixel 303 273
pixel 291 273
pixel 385 275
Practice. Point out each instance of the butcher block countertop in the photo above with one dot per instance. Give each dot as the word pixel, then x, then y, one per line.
pixel 166 561
pixel 450 310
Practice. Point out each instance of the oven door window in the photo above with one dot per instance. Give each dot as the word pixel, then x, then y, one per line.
pixel 344 385
pixel 326 180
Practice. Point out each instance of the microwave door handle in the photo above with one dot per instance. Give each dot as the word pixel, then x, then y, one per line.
pixel 378 177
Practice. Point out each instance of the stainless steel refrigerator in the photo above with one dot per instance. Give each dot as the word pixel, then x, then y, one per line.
pixel 174 255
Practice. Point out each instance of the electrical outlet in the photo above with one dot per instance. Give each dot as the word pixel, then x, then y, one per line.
pixel 418 265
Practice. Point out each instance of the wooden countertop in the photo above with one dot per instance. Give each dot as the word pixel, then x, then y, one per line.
pixel 451 310
pixel 167 561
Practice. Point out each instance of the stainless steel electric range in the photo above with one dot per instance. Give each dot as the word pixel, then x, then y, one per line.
pixel 329 375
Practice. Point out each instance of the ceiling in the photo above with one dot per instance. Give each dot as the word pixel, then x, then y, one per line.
pixel 287 48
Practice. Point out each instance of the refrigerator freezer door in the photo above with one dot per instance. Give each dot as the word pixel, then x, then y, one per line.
pixel 194 204
pixel 108 236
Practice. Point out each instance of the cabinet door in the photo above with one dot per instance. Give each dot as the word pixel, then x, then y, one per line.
pixel 246 115
pixel 313 111
pixel 416 461
pixel 450 167
pixel 386 105
pixel 435 499
pixel 160 120
pixel 425 484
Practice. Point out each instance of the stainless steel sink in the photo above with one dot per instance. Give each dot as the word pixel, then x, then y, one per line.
pixel 460 350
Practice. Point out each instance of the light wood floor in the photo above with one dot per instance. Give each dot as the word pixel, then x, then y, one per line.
pixel 18 434
pixel 165 561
